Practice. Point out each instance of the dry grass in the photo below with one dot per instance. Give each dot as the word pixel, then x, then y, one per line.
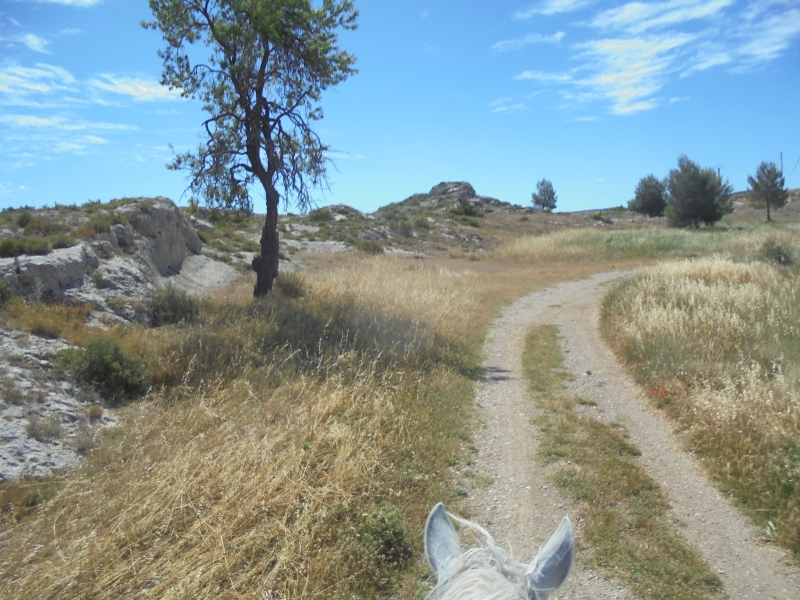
pixel 627 533
pixel 644 244
pixel 283 428
pixel 719 342
pixel 48 319
pixel 444 298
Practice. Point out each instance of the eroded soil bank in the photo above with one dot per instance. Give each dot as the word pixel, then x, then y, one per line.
pixel 522 508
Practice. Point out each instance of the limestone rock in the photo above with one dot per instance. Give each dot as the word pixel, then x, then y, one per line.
pixel 49 275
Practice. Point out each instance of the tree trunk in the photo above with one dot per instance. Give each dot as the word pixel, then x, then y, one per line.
pixel 768 217
pixel 266 265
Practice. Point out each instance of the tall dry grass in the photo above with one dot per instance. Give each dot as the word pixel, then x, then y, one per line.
pixel 593 245
pixel 235 492
pixel 262 470
pixel 448 300
pixel 718 342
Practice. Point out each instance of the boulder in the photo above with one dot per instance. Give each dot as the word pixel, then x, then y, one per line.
pixel 49 275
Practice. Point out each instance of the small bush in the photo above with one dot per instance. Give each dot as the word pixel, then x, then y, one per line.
pixel 778 251
pixel 24 218
pixel 383 538
pixel 62 240
pixel 320 215
pixel 113 372
pixel 11 247
pixel 421 222
pixel 169 306
pixel 37 225
pixel 370 246
pixel 6 292
pixel 403 227
pixel 101 222
pixel 44 430
pixel 290 285
pixel 470 221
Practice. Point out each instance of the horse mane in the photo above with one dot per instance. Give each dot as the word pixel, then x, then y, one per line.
pixel 484 573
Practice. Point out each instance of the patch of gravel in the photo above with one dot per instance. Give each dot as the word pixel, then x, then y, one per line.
pixel 521 508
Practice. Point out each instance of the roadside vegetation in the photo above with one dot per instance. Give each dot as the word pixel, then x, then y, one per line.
pixel 292 446
pixel 627 531
pixel 717 342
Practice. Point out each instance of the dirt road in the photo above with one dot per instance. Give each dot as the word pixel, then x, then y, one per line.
pixel 521 508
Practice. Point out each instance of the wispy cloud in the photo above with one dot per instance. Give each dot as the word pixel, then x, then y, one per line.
pixel 17 81
pixel 630 71
pixel 505 105
pixel 551 7
pixel 62 123
pixel 70 31
pixel 78 3
pixel 139 89
pixel 643 46
pixel 532 38
pixel 34 42
pixel 637 17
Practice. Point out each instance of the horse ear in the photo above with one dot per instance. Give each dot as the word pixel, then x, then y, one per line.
pixel 442 548
pixel 553 562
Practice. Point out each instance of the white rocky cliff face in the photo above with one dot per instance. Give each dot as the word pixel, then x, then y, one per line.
pixel 46 420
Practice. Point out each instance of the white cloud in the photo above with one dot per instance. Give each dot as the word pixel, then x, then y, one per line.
pixel 78 3
pixel 139 89
pixel 532 38
pixel 504 105
pixel 545 77
pixel 16 81
pixel 70 31
pixel 586 120
pixel 630 71
pixel 551 7
pixel 62 124
pixel 770 37
pixel 34 42
pixel 638 17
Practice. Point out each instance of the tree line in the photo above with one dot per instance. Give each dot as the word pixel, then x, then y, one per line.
pixel 691 195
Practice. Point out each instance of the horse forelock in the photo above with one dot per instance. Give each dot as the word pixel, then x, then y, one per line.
pixel 484 573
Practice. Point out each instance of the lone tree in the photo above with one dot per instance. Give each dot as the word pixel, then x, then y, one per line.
pixel 269 62
pixel 766 188
pixel 650 197
pixel 696 195
pixel 545 196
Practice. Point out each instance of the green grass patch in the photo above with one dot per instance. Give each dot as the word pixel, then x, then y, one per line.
pixel 717 343
pixel 624 511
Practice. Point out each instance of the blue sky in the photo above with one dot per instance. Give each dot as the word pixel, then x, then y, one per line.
pixel 592 95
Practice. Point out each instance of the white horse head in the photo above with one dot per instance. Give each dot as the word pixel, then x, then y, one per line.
pixel 487 573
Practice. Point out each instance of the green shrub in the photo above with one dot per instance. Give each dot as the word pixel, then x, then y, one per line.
pixel 290 285
pixel 369 246
pixel 320 215
pixel 44 430
pixel 383 537
pixel 24 218
pixel 62 240
pixel 11 247
pixel 116 374
pixel 6 292
pixel 421 222
pixel 778 251
pixel 470 221
pixel 37 225
pixel 403 227
pixel 169 305
pixel 100 222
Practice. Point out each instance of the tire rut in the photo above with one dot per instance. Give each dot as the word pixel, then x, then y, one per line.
pixel 521 508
